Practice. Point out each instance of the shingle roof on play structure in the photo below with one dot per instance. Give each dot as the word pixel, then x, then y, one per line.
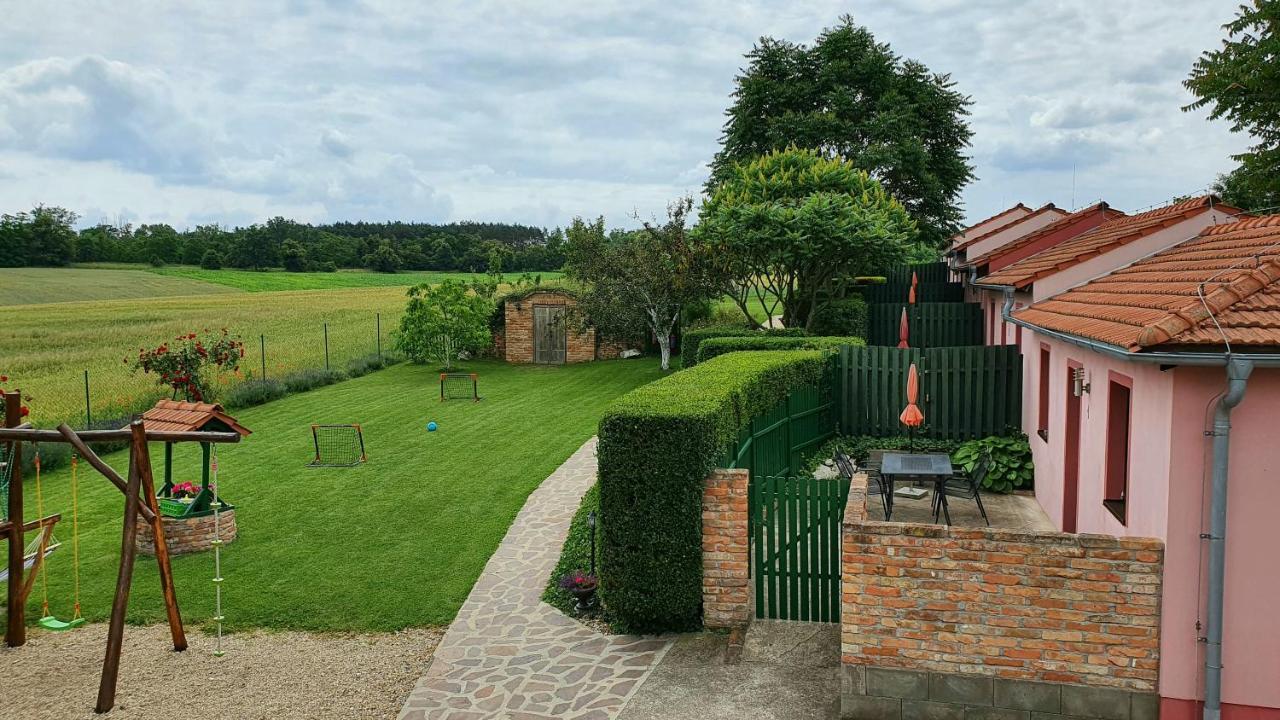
pixel 178 416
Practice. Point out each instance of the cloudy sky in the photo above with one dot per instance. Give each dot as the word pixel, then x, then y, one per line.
pixel 534 112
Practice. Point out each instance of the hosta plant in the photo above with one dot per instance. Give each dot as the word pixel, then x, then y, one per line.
pixel 1011 467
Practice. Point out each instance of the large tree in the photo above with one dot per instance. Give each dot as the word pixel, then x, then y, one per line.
pixel 1239 82
pixel 852 97
pixel 790 228
pixel 637 282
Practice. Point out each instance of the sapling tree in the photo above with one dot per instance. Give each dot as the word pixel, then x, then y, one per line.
pixel 637 282
pixel 442 321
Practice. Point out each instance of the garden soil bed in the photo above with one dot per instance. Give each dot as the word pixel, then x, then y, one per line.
pixel 262 675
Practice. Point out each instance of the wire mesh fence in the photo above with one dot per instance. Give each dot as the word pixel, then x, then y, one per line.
pixel 107 393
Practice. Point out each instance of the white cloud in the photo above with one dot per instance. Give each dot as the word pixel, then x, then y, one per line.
pixel 534 112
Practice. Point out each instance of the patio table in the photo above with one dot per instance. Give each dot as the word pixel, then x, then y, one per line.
pixel 932 466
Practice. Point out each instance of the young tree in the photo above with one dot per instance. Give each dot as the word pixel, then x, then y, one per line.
pixel 443 320
pixel 849 96
pixel 639 281
pixel 1238 82
pixel 787 228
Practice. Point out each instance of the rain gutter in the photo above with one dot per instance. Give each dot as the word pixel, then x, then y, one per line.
pixel 1239 367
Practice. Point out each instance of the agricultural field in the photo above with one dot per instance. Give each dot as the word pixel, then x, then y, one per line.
pixel 277 280
pixel 33 286
pixel 394 543
pixel 47 349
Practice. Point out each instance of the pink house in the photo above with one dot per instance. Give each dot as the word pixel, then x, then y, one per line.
pixel 1152 378
pixel 1076 258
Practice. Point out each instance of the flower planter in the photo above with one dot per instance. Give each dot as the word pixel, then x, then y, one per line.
pixel 586 597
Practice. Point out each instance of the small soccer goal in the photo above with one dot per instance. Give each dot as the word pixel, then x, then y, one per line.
pixel 337 445
pixel 459 386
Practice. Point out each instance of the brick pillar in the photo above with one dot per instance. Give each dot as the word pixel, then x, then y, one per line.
pixel 726 585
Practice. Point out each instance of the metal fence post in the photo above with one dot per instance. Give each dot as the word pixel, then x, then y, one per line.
pixel 88 410
pixel 262 354
pixel 326 346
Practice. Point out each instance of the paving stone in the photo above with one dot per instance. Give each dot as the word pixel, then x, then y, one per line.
pixel 509 655
pixel 891 682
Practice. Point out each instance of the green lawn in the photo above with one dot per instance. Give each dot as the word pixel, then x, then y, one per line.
pixel 397 542
pixel 274 280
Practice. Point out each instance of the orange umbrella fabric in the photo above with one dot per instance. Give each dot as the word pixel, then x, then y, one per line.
pixel 911 295
pixel 904 331
pixel 911 415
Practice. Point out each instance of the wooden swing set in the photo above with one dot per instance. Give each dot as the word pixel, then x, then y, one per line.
pixel 139 502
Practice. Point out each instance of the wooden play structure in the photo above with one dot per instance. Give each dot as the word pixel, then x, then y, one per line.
pixel 188 417
pixel 141 502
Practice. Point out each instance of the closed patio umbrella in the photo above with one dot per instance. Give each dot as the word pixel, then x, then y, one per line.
pixel 904 332
pixel 911 415
pixel 911 294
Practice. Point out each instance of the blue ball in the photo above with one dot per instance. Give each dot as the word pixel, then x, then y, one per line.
pixel 431 426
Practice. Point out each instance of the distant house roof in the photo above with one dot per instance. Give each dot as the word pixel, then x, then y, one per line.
pixel 178 416
pixel 1105 237
pixel 1018 210
pixel 1222 286
pixel 1048 208
pixel 1066 221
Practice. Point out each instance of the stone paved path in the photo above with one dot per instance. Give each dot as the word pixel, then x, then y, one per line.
pixel 509 655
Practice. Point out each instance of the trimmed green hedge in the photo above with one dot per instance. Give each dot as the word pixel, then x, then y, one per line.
pixel 657 444
pixel 714 347
pixel 690 340
pixel 843 317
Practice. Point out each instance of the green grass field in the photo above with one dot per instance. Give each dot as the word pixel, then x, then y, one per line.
pixel 278 280
pixel 397 542
pixel 31 286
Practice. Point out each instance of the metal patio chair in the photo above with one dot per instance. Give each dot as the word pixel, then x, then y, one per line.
pixel 962 485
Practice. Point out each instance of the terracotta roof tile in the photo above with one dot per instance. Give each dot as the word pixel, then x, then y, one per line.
pixel 960 236
pixel 178 416
pixel 1062 222
pixel 1048 208
pixel 1222 286
pixel 1099 240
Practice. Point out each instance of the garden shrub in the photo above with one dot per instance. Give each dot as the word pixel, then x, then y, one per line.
pixel 1011 466
pixel 357 367
pixel 576 554
pixel 311 378
pixel 690 341
pixel 255 392
pixel 713 347
pixel 842 317
pixel 657 444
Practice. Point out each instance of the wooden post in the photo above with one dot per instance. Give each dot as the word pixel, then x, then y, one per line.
pixel 15 634
pixel 162 545
pixel 128 551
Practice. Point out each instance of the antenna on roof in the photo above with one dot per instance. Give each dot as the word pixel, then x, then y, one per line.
pixel 1074 165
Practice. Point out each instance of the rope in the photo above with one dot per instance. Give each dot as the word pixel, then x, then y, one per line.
pixel 75 534
pixel 217 555
pixel 44 567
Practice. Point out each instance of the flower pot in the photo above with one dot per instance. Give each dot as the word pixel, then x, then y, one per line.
pixel 586 597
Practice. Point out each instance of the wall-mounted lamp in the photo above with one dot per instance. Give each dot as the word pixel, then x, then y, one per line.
pixel 1078 385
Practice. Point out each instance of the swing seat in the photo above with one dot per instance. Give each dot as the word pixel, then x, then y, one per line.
pixel 50 622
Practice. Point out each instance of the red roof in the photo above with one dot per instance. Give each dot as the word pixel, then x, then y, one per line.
pixel 1102 239
pixel 1019 208
pixel 178 416
pixel 1222 286
pixel 1049 208
pixel 1066 221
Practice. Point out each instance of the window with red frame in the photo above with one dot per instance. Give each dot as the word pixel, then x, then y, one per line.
pixel 1119 410
pixel 1042 423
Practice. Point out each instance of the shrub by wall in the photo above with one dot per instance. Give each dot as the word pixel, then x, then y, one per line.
pixel 657 444
pixel 714 347
pixel 691 339
pixel 846 317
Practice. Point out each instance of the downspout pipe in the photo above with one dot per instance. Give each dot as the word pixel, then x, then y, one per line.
pixel 1238 371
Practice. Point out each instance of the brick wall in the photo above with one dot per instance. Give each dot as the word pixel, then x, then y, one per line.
pixel 1044 607
pixel 726 587
pixel 187 535
pixel 518 334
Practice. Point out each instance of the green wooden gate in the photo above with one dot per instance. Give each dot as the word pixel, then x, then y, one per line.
pixel 795 546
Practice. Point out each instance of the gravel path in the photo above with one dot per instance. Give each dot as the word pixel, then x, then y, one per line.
pixel 263 675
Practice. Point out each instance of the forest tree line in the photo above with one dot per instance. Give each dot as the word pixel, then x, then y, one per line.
pixel 46 236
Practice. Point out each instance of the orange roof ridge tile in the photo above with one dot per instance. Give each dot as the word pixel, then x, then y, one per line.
pixel 1047 229
pixel 1249 222
pixel 1002 213
pixel 1001 228
pixel 1214 303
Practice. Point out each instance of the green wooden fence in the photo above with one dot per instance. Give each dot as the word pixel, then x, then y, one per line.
pixel 931 324
pixel 965 392
pixel 934 272
pixel 795 533
pixel 898 292
pixel 776 442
